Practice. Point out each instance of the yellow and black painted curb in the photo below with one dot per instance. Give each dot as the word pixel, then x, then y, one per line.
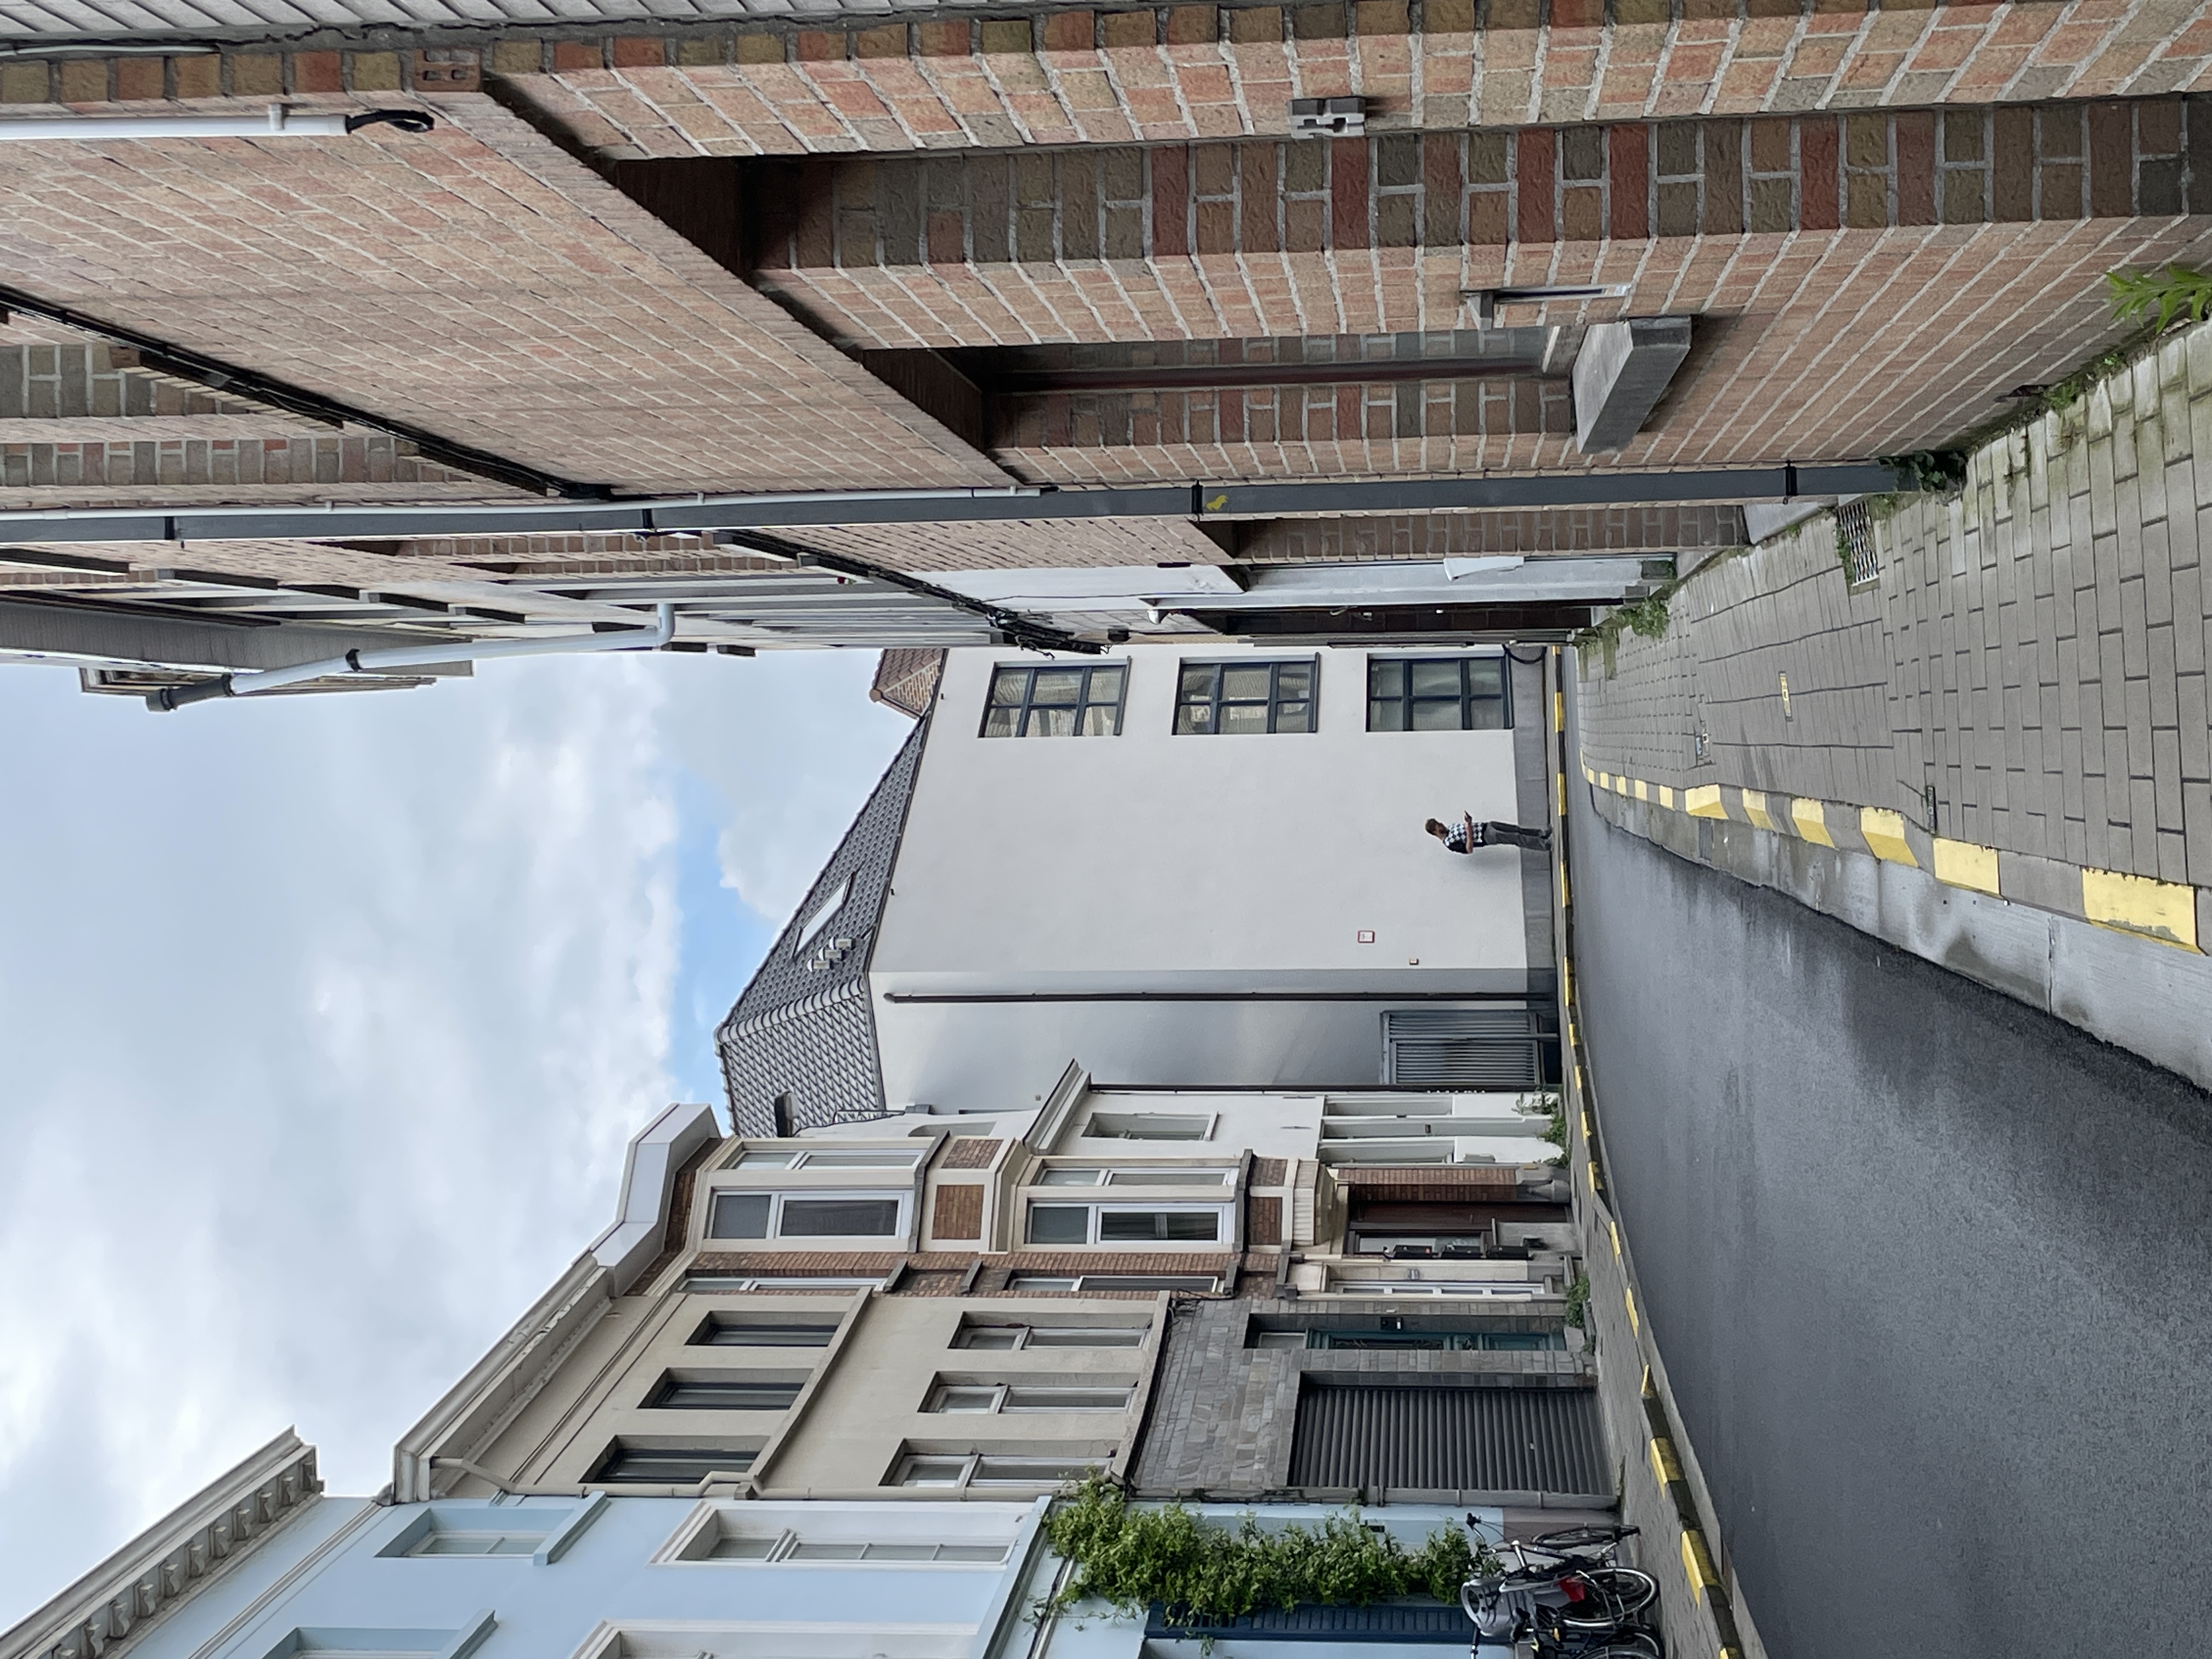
pixel 2170 913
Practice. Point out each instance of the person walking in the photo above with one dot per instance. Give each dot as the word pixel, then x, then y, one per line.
pixel 1467 835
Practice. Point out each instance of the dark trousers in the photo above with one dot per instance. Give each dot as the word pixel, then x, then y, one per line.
pixel 1495 833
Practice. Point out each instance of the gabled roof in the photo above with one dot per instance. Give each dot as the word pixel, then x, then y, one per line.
pixel 803 1029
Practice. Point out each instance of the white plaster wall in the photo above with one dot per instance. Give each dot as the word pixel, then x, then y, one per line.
pixel 1149 853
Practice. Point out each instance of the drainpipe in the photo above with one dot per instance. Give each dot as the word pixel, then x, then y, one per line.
pixel 413 656
pixel 278 121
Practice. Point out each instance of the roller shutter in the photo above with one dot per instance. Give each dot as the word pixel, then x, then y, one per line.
pixel 1450 1439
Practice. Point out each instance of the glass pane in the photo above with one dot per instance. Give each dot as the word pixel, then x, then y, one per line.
pixel 1197 681
pixel 1194 717
pixel 1386 679
pixel 966 1400
pixel 933 1472
pixel 1051 723
pixel 1098 722
pixel 1294 717
pixel 1024 1472
pixel 1249 681
pixel 766 1159
pixel 1000 722
pixel 1486 714
pixel 1059 1224
pixel 1205 1224
pixel 1075 1338
pixel 838 1217
pixel 992 1554
pixel 1057 685
pixel 1166 1177
pixel 1386 715
pixel 1294 679
pixel 1127 1226
pixel 1485 676
pixel 896 1553
pixel 1042 1282
pixel 740 1215
pixel 1065 1177
pixel 1435 715
pixel 1433 680
pixel 522 1544
pixel 1243 717
pixel 1006 684
pixel 1000 1337
pixel 1066 1399
pixel 1106 684
pixel 861 1160
pixel 743 1549
pixel 769 1336
pixel 808 1550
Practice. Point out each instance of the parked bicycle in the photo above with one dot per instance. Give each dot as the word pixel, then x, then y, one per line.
pixel 1566 1590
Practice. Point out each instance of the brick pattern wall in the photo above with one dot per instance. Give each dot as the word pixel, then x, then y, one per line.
pixel 1017 544
pixel 1461 535
pixel 1189 72
pixel 969 1151
pixel 957 1212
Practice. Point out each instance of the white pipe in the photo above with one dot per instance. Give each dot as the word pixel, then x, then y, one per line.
pixel 276 119
pixel 416 656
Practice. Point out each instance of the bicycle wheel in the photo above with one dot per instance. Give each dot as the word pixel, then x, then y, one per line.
pixel 1582 1538
pixel 1628 1644
pixel 1611 1596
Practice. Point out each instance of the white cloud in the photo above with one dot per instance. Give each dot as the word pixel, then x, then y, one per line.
pixel 323 1022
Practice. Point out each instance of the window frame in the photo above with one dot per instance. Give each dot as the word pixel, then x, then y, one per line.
pixel 1224 1230
pixel 972 1473
pixel 823 1325
pixel 1024 1331
pixel 1084 704
pixel 1213 702
pixel 783 1551
pixel 669 1383
pixel 1003 1392
pixel 1054 1177
pixel 1123 1122
pixel 421 1548
pixel 778 1197
pixel 1044 1284
pixel 734 1461
pixel 1405 699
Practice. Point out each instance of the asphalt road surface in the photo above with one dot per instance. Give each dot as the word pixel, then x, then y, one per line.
pixel 1930 1272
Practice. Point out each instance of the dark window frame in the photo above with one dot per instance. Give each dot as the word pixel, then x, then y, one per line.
pixel 722 1395
pixel 626 1463
pixel 1084 704
pixel 1213 701
pixel 1468 698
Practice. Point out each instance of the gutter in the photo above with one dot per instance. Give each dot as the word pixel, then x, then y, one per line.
pixel 413 656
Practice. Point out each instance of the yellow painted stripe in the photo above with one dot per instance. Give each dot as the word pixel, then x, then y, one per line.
pixel 2136 904
pixel 1563 886
pixel 1703 801
pixel 1754 808
pixel 1589 1128
pixel 1605 780
pixel 1665 796
pixel 1664 1463
pixel 1641 789
pixel 1615 1225
pixel 1812 823
pixel 1563 794
pixel 1884 833
pixel 1697 1563
pixel 1628 1296
pixel 1559 711
pixel 1620 786
pixel 1567 979
pixel 1962 864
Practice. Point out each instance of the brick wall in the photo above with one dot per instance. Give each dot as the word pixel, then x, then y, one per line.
pixel 1459 535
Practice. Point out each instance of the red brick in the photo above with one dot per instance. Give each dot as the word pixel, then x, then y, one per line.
pixel 1536 171
pixel 1170 182
pixel 2012 166
pixel 1628 173
pixel 140 78
pixel 818 46
pixel 1817 145
pixel 1350 162
pixel 944 40
pixel 1191 26
pixel 578 55
pixel 1916 168
pixel 193 77
pixel 637 52
pixel 2111 162
pixel 1071 31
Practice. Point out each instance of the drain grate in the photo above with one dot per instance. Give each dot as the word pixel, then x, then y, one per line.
pixel 1855 545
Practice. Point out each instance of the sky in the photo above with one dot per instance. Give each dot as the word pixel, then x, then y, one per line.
pixel 324 1021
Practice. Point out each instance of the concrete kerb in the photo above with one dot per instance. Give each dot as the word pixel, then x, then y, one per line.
pixel 1662 1490
pixel 2119 956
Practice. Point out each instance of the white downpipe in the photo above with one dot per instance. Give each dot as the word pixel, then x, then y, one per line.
pixel 387 659
pixel 276 119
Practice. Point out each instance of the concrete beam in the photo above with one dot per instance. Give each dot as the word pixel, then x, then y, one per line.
pixel 1620 374
pixel 118 635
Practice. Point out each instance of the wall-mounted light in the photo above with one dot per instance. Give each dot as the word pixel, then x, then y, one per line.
pixel 276 121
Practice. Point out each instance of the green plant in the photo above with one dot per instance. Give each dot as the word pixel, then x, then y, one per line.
pixel 1935 471
pixel 1578 1313
pixel 1547 1104
pixel 1205 1574
pixel 2173 292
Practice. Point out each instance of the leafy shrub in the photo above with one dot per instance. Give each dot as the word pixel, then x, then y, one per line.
pixel 1205 1574
pixel 2173 292
pixel 1578 1313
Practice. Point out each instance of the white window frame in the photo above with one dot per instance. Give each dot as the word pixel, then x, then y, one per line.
pixel 1210 1122
pixel 422 1547
pixel 1024 1332
pixel 780 1197
pixel 733 1284
pixel 1032 1284
pixel 1003 1393
pixel 783 1547
pixel 1055 1176
pixel 976 1469
pixel 1225 1231
pixel 829 1156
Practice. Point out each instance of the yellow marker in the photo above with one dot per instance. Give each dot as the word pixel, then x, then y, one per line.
pixel 1697 1563
pixel 1214 504
pixel 1884 833
pixel 1812 823
pixel 1664 1463
pixel 1628 1296
pixel 1566 970
pixel 1559 711
pixel 1615 1225
pixel 1578 1077
pixel 1704 802
pixel 1589 1128
pixel 1605 780
pixel 1563 794
pixel 1665 796
pixel 1620 786
pixel 1962 864
pixel 1754 808
pixel 2136 904
pixel 1640 793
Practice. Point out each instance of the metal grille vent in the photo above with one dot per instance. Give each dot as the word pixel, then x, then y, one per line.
pixel 1855 545
pixel 1460 1048
pixel 1546 1440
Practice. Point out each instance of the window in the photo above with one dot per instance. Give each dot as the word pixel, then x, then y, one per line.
pixel 921 1469
pixel 979 1334
pixel 477 1543
pixel 806 1215
pixel 629 1464
pixel 809 1157
pixel 737 1331
pixel 825 913
pixel 1026 1397
pixel 791 1547
pixel 1419 1341
pixel 1148 1126
pixel 1035 1284
pixel 1068 1174
pixel 720 1283
pixel 1114 1223
pixel 1056 701
pixel 721 1395
pixel 1234 697
pixel 1438 693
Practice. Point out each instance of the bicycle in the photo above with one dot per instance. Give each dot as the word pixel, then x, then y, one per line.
pixel 1572 1589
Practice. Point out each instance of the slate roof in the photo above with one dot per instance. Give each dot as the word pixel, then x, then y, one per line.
pixel 803 1027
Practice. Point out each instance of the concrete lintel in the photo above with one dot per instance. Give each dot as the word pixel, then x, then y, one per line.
pixel 1620 375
